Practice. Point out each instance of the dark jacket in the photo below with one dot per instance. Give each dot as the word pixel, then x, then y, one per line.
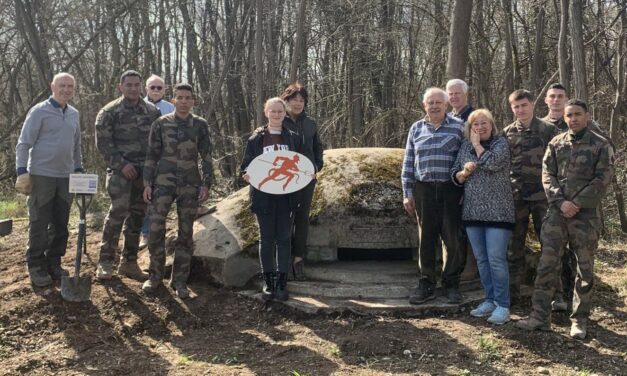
pixel 260 201
pixel 310 139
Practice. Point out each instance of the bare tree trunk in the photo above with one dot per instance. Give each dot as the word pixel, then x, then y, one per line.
pixel 578 51
pixel 300 40
pixel 458 42
pixel 31 28
pixel 562 48
pixel 509 64
pixel 149 65
pixel 193 55
pixel 259 62
pixel 619 107
pixel 536 68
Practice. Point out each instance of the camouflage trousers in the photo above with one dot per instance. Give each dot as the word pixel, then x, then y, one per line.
pixel 516 252
pixel 186 207
pixel 127 209
pixel 582 234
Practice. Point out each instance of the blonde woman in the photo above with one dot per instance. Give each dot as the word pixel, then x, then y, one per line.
pixel 482 168
pixel 275 213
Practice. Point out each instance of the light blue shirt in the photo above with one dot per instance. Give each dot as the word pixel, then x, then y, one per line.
pixel 50 141
pixel 164 106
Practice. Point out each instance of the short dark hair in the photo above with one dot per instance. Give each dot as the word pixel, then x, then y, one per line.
pixel 558 86
pixel 520 94
pixel 294 89
pixel 577 102
pixel 184 86
pixel 130 73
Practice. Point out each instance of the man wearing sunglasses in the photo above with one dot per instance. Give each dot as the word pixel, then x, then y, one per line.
pixel 155 91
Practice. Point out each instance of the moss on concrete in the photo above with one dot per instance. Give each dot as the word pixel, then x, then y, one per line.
pixel 249 232
pixel 388 169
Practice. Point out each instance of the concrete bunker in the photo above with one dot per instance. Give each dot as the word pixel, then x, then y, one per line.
pixel 356 213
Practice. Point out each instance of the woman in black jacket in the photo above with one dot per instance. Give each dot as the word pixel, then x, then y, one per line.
pixel 295 95
pixel 274 213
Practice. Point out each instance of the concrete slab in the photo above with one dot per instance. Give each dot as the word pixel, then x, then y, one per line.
pixel 365 306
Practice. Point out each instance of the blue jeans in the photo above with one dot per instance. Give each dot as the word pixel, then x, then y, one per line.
pixel 489 244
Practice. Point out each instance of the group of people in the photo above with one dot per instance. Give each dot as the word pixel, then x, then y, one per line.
pixel 152 149
pixel 466 181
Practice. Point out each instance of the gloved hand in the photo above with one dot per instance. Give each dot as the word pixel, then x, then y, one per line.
pixel 22 184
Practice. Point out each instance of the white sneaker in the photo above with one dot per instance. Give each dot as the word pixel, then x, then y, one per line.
pixel 499 316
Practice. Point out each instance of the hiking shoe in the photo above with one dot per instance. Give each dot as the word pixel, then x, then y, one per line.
pixel 532 324
pixel 39 276
pixel 104 271
pixel 131 270
pixel 143 241
pixel 151 285
pixel 181 290
pixel 578 330
pixel 267 291
pixel 484 309
pixel 423 293
pixel 559 304
pixel 453 296
pixel 57 272
pixel 280 290
pixel 499 316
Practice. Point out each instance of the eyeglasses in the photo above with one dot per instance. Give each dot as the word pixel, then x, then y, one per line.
pixel 156 88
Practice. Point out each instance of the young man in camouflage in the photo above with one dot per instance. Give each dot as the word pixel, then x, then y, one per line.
pixel 122 128
pixel 577 168
pixel 528 137
pixel 171 173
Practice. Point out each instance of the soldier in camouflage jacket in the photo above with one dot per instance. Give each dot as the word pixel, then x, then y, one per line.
pixel 171 173
pixel 527 137
pixel 122 126
pixel 577 169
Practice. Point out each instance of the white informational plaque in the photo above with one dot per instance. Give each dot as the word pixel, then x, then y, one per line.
pixel 280 172
pixel 86 184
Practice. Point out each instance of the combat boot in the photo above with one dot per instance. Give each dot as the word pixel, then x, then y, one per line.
pixel 578 330
pixel 131 270
pixel 151 285
pixel 104 271
pixel 559 304
pixel 181 290
pixel 56 271
pixel 280 291
pixel 532 324
pixel 267 291
pixel 39 276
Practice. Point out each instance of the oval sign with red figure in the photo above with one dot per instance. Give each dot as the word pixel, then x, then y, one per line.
pixel 280 172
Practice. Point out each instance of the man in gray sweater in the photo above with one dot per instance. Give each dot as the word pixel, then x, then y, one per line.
pixel 47 152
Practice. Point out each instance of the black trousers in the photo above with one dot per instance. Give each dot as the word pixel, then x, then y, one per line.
pixel 301 221
pixel 48 215
pixel 438 211
pixel 275 233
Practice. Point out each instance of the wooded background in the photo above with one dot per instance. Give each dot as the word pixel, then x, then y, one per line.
pixel 366 63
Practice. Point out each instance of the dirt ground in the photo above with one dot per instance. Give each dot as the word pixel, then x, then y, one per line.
pixel 124 332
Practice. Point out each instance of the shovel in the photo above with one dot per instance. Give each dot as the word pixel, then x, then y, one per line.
pixel 77 288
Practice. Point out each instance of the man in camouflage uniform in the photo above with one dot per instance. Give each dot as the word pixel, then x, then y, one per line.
pixel 577 168
pixel 528 137
pixel 122 128
pixel 555 99
pixel 171 173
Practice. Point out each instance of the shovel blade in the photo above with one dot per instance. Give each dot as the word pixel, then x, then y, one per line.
pixel 76 289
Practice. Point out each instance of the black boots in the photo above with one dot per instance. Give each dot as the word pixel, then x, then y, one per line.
pixel 280 290
pixel 274 286
pixel 267 291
